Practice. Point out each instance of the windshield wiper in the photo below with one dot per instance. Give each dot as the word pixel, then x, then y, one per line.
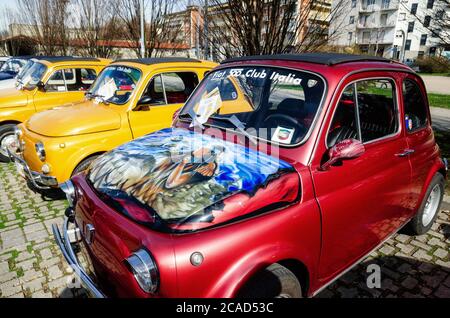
pixel 101 98
pixel 239 125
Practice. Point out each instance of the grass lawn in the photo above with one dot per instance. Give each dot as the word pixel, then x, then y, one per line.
pixel 435 74
pixel 439 100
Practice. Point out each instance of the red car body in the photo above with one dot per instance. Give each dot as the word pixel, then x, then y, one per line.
pixel 343 214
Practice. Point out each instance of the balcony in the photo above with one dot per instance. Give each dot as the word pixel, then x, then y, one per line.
pixel 389 24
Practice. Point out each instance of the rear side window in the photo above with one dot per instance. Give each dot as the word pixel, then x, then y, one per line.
pixel 366 111
pixel 416 115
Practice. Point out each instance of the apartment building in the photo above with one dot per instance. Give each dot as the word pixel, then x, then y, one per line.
pixel 398 29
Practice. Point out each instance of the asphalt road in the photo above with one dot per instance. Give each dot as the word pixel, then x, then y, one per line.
pixel 437 84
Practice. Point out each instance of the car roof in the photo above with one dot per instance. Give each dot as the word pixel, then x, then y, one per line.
pixel 329 59
pixel 152 61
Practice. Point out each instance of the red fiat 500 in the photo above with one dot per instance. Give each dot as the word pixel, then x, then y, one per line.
pixel 278 175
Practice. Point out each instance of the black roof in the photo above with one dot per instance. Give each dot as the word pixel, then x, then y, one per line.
pixel 55 59
pixel 151 61
pixel 316 58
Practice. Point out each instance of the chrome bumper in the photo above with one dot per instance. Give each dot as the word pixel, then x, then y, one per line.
pixel 40 181
pixel 69 254
pixel 445 163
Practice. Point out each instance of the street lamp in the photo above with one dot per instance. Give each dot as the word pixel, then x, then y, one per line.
pixel 142 29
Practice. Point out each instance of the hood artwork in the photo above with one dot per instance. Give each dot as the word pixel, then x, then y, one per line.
pixel 181 175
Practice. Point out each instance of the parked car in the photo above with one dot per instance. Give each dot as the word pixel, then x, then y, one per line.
pixel 3 59
pixel 49 82
pixel 130 99
pixel 14 82
pixel 12 67
pixel 199 210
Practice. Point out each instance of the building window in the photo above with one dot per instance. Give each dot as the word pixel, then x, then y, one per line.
pixel 408 45
pixel 414 8
pixel 366 37
pixel 430 4
pixel 370 2
pixel 436 33
pixel 421 54
pixel 440 14
pixel 350 37
pixel 411 27
pixel 426 21
pixel 385 4
pixel 383 19
pixel 423 39
pixel 353 3
pixel 402 17
pixel 352 19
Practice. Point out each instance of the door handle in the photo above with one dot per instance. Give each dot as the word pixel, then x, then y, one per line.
pixel 406 153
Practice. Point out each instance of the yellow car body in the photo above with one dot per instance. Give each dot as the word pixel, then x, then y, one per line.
pixel 72 136
pixel 18 104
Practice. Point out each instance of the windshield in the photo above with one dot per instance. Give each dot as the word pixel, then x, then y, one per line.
pixel 32 76
pixel 12 66
pixel 116 84
pixel 278 105
pixel 25 69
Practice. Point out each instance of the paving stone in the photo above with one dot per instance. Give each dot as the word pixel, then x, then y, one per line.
pixel 387 250
pixel 442 292
pixel 54 272
pixel 433 280
pixel 421 245
pixel 7 277
pixel 42 294
pixel 30 275
pixel 421 254
pixel 35 236
pixel 441 253
pixel 25 265
pixel 4 268
pixel 33 227
pixel 409 282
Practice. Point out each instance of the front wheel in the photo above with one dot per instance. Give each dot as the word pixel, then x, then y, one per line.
pixel 275 281
pixel 429 209
pixel 6 139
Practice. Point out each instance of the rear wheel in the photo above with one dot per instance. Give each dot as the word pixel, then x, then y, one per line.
pixel 429 209
pixel 275 281
pixel 84 165
pixel 6 139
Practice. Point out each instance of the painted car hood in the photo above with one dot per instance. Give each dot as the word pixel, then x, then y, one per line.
pixel 159 172
pixel 76 119
pixel 12 97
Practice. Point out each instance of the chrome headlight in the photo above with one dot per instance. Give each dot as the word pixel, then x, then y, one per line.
pixel 144 270
pixel 40 151
pixel 70 191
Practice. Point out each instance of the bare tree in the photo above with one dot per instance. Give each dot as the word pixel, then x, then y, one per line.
pixel 252 27
pixel 96 28
pixel 158 28
pixel 48 24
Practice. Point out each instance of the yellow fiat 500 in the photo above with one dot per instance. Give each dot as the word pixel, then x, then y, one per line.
pixel 129 99
pixel 49 82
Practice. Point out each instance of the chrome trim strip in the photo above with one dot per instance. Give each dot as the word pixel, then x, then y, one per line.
pixel 68 253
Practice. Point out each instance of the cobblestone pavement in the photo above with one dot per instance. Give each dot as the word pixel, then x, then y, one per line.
pixel 32 266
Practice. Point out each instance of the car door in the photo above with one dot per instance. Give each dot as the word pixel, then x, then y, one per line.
pixel 64 86
pixel 166 93
pixel 419 134
pixel 365 199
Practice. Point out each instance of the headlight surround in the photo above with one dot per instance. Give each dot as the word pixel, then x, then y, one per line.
pixel 40 151
pixel 144 270
pixel 70 191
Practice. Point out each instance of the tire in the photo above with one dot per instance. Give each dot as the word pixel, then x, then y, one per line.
pixel 428 210
pixel 6 131
pixel 275 281
pixel 84 165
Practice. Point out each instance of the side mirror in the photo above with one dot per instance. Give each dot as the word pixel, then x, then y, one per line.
pixel 144 103
pixel 41 86
pixel 344 150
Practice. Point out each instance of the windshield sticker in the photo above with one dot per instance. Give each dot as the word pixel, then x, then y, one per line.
pixel 108 89
pixel 283 135
pixel 124 69
pixel 208 106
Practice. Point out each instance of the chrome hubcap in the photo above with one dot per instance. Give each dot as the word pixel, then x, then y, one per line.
pixel 431 207
pixel 5 143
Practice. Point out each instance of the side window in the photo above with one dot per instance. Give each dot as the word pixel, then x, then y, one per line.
pixel 56 82
pixel 377 109
pixel 344 124
pixel 367 111
pixel 415 107
pixel 80 79
pixel 179 86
